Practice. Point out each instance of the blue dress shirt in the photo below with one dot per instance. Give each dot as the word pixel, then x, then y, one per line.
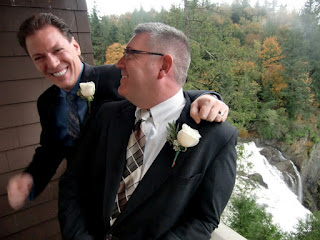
pixel 62 112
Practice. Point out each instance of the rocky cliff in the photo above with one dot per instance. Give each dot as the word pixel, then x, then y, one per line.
pixel 306 157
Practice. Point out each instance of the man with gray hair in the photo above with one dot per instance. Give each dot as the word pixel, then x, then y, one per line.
pixel 63 113
pixel 164 40
pixel 139 175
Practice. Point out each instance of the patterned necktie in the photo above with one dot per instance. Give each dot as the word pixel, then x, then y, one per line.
pixel 132 172
pixel 73 121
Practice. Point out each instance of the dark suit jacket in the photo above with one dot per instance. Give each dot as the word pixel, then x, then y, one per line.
pixel 52 151
pixel 180 202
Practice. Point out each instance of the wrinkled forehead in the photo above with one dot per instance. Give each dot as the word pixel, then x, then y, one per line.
pixel 45 38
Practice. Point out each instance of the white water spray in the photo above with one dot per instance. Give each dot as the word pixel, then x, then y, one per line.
pixel 280 201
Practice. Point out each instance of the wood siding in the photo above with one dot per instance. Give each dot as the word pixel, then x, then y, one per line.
pixel 20 86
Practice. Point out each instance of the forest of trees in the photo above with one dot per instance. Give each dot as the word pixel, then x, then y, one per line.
pixel 263 59
pixel 265 62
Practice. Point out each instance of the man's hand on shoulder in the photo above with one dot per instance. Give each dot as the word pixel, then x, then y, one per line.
pixel 208 107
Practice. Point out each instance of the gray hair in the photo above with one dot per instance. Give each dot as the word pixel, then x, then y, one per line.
pixel 169 40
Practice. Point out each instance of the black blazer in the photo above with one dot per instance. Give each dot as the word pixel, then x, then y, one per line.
pixel 183 202
pixel 52 151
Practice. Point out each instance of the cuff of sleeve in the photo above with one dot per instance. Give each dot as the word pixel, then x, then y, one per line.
pixel 214 94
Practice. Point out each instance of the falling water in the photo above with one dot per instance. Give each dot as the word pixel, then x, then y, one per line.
pixel 279 200
pixel 296 181
pixel 299 186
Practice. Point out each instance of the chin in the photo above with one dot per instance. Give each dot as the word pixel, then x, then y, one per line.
pixel 121 91
pixel 66 87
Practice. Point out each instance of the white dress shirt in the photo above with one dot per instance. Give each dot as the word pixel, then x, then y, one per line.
pixel 156 127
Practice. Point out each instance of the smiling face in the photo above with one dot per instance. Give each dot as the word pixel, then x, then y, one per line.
pixel 140 72
pixel 55 57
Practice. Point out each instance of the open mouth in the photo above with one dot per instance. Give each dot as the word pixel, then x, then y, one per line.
pixel 61 73
pixel 123 74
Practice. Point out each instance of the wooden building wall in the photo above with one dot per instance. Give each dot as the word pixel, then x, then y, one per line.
pixel 20 86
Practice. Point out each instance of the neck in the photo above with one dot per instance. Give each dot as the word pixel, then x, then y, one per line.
pixel 160 97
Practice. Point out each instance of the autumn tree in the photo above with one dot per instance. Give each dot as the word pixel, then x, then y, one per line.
pixel 221 63
pixel 114 53
pixel 272 79
pixel 236 51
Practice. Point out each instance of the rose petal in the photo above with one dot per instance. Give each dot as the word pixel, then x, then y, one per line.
pixel 87 89
pixel 186 140
pixel 188 137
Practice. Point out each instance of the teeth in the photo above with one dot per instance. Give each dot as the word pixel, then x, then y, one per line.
pixel 59 74
pixel 124 76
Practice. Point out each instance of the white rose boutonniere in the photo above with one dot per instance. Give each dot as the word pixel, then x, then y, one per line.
pixel 181 140
pixel 86 91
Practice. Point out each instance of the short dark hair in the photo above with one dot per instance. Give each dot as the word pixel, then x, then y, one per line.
pixel 38 21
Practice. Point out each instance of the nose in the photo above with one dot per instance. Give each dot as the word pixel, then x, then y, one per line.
pixel 120 64
pixel 52 61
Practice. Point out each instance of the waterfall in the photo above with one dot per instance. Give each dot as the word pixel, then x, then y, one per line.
pixel 296 181
pixel 278 198
pixel 299 186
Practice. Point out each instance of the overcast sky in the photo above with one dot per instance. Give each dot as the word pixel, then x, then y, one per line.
pixel 119 7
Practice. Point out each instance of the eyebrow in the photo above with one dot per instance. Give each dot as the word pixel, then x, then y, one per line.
pixel 56 46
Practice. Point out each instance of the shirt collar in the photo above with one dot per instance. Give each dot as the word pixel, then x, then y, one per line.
pixel 74 90
pixel 164 110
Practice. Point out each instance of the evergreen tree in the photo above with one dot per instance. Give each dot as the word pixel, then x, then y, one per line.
pixel 97 38
pixel 265 63
pixel 298 92
pixel 310 27
pixel 236 11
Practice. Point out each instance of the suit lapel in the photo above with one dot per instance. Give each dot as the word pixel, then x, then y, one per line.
pixel 160 169
pixel 118 134
pixel 88 75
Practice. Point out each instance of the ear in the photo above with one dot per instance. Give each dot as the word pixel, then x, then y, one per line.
pixel 76 46
pixel 167 64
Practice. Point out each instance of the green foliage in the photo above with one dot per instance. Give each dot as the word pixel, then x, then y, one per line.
pixel 243 214
pixel 264 62
pixel 273 124
pixel 98 44
pixel 309 229
pixel 252 221
pixel 243 188
pixel 275 94
pixel 314 137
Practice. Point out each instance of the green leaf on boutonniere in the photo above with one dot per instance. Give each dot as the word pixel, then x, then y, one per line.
pixel 181 140
pixel 173 140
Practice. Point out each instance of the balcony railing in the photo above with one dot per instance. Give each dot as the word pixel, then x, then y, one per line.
pixel 223 232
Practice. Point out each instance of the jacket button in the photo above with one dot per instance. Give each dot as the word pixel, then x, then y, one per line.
pixel 109 237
